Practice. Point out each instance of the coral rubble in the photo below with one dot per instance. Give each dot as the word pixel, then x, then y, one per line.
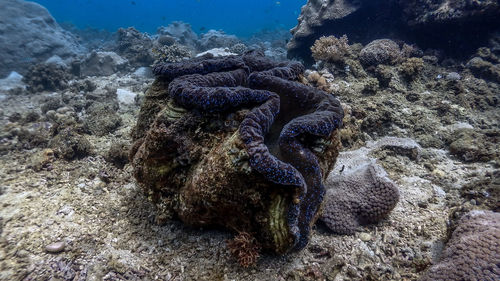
pixel 237 135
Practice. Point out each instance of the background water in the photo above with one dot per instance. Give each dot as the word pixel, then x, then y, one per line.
pixel 241 18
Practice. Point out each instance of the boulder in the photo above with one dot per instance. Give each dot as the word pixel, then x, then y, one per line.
pixel 102 64
pixel 30 35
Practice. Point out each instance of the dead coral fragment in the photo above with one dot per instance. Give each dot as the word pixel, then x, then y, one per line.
pixel 331 49
pixel 245 248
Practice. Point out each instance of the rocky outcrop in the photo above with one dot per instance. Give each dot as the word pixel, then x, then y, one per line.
pixel 457 27
pixel 29 35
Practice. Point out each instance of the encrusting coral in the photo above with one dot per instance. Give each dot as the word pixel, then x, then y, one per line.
pixel 356 197
pixel 237 142
pixel 473 252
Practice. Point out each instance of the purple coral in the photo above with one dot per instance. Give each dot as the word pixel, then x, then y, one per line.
pixel 285 120
pixel 473 252
pixel 358 196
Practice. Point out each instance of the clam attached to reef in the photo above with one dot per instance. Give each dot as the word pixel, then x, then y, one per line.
pixel 237 142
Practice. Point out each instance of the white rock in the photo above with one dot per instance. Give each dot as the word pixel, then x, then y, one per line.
pixel 144 72
pixel 217 52
pixel 125 96
pixel 57 60
pixel 12 81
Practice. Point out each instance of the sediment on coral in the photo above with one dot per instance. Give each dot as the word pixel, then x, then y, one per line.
pixel 237 134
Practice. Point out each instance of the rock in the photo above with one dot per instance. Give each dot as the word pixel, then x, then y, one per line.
pixel 125 96
pixel 135 47
pixel 182 32
pixel 365 237
pixel 68 144
pixel 102 64
pixel 47 77
pixel 56 247
pixel 118 154
pixel 102 119
pixel 217 39
pixel 217 52
pixel 455 26
pixel 12 81
pixel 30 35
pixel 57 60
pixel 143 72
pixel 453 76
pixel 484 69
pixel 42 159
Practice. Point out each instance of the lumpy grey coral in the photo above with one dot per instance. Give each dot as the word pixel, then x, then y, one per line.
pixel 46 77
pixel 358 196
pixel 382 51
pixel 237 135
pixel 473 252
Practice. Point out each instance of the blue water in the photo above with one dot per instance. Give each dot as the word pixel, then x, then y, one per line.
pixel 241 18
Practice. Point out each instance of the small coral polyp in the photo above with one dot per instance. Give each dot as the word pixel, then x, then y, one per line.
pixel 237 142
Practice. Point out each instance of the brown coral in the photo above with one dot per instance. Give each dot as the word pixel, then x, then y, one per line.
pixel 331 49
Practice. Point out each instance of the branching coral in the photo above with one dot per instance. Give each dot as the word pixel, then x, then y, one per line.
pixel 331 49
pixel 239 135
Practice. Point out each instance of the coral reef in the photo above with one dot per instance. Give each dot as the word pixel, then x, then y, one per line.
pixel 102 119
pixel 331 49
pixel 102 64
pixel 171 53
pixel 381 51
pixel 46 77
pixel 135 47
pixel 411 67
pixel 237 134
pixel 69 144
pixel 457 27
pixel 473 252
pixel 358 196
pixel 484 69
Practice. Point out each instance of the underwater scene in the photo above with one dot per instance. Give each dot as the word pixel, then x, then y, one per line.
pixel 250 140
